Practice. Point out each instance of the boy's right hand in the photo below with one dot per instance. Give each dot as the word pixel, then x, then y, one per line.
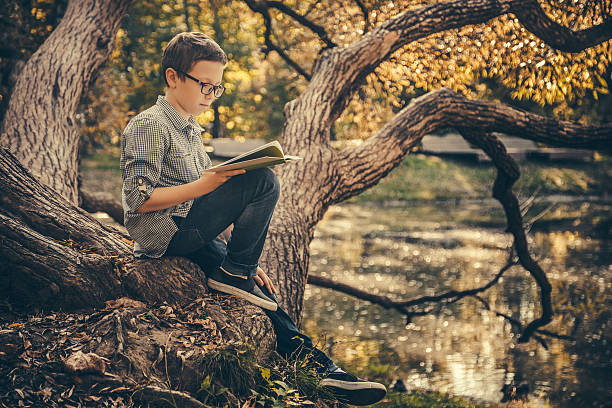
pixel 210 180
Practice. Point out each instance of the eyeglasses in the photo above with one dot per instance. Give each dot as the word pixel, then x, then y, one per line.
pixel 206 87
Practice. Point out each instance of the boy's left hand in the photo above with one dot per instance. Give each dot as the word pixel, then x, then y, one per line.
pixel 262 279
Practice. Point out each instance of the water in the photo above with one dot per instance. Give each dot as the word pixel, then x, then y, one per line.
pixel 412 250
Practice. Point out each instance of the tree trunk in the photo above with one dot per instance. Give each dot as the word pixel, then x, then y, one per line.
pixel 39 127
pixel 56 256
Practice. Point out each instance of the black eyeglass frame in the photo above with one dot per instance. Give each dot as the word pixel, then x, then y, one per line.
pixel 213 88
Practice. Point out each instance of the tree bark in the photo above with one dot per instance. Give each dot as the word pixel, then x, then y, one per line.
pixel 56 256
pixel 39 127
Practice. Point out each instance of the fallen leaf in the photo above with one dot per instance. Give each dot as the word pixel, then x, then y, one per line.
pixel 80 362
pixel 68 393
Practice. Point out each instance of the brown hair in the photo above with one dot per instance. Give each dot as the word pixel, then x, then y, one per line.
pixel 185 49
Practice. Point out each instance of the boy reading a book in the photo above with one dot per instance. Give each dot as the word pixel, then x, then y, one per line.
pixel 173 205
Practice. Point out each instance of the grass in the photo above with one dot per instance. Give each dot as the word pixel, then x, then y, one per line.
pixel 422 178
pixel 107 159
pixel 258 381
pixel 426 399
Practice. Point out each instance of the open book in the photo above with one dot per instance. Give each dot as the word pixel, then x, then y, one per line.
pixel 267 155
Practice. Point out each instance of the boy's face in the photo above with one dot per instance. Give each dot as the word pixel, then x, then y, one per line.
pixel 186 95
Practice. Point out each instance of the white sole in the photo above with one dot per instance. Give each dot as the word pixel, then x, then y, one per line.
pixel 351 385
pixel 232 290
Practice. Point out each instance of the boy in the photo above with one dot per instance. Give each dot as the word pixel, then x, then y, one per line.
pixel 172 206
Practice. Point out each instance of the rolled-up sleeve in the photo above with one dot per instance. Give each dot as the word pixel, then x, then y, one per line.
pixel 145 142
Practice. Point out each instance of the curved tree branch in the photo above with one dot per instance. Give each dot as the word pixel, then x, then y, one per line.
pixel 350 65
pixel 557 36
pixel 403 306
pixel 262 8
pixel 360 167
pixel 507 174
pixel 407 307
pixel 315 28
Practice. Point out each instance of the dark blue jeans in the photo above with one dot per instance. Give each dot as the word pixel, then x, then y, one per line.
pixel 247 201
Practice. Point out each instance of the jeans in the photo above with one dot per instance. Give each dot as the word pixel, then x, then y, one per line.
pixel 247 201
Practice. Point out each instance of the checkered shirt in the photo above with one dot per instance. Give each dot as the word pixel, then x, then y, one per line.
pixel 159 148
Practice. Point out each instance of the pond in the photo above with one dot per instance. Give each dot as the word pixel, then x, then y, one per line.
pixel 406 250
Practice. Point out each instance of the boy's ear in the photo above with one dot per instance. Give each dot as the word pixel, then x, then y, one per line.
pixel 171 77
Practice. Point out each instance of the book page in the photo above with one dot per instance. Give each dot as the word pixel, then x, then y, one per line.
pixel 249 164
pixel 272 149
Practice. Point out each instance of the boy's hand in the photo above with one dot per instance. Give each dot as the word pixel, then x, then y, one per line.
pixel 262 279
pixel 211 180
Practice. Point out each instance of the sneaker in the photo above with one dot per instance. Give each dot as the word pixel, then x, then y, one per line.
pixel 245 288
pixel 353 390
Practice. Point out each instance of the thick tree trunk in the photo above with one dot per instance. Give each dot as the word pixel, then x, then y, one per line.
pixel 56 256
pixel 39 127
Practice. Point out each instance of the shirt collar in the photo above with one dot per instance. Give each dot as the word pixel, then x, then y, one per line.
pixel 175 118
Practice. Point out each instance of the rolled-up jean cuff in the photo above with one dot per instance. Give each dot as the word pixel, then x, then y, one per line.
pixel 235 268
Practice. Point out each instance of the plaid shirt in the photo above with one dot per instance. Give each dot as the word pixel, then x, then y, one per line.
pixel 159 148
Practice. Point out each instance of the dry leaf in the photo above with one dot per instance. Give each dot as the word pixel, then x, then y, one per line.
pixel 68 393
pixel 80 362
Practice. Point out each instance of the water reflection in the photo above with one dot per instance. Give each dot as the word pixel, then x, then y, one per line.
pixel 425 249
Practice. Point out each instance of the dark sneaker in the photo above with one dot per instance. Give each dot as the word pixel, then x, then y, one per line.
pixel 244 288
pixel 352 390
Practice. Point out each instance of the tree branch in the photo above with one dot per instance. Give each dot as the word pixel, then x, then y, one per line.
pixel 360 167
pixel 449 297
pixel 536 21
pixel 403 306
pixel 507 174
pixel 351 65
pixel 315 28
pixel 262 9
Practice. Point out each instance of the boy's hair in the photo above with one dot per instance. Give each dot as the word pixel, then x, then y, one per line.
pixel 185 49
